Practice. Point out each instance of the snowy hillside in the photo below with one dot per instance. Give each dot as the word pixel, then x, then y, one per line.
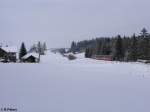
pixel 81 85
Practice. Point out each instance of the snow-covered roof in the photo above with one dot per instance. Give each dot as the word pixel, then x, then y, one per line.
pixel 36 55
pixel 10 49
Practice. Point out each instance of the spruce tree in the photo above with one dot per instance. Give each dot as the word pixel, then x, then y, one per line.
pixel 144 32
pixel 144 49
pixel 98 47
pixel 44 46
pixel 73 47
pixel 40 48
pixel 144 45
pixel 23 51
pixel 91 50
pixel 119 52
pixel 133 50
pixel 87 53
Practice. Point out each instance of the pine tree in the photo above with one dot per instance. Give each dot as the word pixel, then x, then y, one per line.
pixel 98 47
pixel 144 45
pixel 91 50
pixel 40 48
pixel 23 51
pixel 119 52
pixel 87 53
pixel 73 47
pixel 105 48
pixel 44 46
pixel 144 32
pixel 133 50
pixel 144 48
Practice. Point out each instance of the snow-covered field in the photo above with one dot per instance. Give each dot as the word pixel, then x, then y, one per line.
pixel 82 85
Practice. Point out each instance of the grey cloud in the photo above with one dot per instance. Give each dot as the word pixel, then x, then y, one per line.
pixel 60 21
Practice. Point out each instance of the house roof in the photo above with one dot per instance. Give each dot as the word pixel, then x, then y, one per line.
pixel 36 55
pixel 10 49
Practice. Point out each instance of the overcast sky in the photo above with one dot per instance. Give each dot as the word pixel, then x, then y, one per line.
pixel 58 22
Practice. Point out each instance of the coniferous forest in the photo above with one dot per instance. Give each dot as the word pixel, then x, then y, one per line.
pixel 120 48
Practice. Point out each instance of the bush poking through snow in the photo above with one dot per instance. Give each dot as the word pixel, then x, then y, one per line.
pixel 71 57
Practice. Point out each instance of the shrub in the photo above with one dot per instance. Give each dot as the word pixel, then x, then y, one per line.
pixel 71 57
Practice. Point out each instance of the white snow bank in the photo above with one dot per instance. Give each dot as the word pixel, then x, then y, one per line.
pixel 82 85
pixel 10 49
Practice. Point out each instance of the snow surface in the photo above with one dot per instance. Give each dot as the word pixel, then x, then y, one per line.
pixel 81 85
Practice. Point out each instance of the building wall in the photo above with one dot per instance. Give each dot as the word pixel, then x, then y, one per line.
pixel 8 57
pixel 31 59
pixel 2 53
pixel 103 57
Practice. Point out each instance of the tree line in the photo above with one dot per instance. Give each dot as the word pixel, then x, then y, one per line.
pixel 120 48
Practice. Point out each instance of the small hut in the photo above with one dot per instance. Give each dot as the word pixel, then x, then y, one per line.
pixel 31 58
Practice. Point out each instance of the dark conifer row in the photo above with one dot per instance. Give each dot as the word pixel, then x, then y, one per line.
pixel 121 48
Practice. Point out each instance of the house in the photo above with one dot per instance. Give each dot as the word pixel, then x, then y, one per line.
pixel 31 58
pixel 103 57
pixel 8 54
